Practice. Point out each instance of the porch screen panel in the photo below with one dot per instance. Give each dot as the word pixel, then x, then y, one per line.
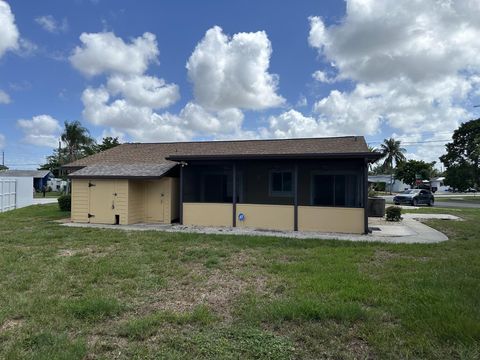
pixel 323 190
pixel 208 183
pixel 265 182
pixel 336 190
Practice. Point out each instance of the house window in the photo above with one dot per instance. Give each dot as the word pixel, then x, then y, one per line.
pixel 281 183
pixel 335 190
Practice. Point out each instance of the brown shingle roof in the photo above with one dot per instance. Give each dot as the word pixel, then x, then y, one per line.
pixel 159 153
pixel 130 171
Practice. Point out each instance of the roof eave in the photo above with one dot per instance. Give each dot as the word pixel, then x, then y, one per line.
pixel 371 156
pixel 107 177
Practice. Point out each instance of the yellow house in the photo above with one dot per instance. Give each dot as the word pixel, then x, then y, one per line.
pixel 314 184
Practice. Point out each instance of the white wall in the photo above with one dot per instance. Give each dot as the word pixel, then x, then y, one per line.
pixel 7 194
pixel 17 192
pixel 24 191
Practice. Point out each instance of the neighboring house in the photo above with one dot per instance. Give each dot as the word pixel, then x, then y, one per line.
pixel 15 192
pixel 397 185
pixel 57 184
pixel 315 184
pixel 437 184
pixel 40 177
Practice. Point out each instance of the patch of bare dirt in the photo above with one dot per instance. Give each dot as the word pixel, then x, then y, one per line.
pixel 63 221
pixel 10 324
pixel 356 345
pixel 216 288
pixel 108 345
pixel 87 251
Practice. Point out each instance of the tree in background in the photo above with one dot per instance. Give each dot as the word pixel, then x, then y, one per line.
pixel 393 154
pixel 55 161
pixel 77 144
pixel 77 140
pixel 463 157
pixel 108 143
pixel 408 171
pixel 460 177
pixel 3 167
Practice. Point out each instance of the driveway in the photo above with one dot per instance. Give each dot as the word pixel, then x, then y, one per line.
pixel 44 201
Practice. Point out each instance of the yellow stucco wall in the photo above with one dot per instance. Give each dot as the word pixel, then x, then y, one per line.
pixel 330 219
pixel 273 217
pixel 104 200
pixel 132 197
pixel 134 201
pixel 207 214
pixel 80 200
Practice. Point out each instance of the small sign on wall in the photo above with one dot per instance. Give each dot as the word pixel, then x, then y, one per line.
pixel 241 217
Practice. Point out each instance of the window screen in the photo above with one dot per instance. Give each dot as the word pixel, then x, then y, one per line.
pixel 335 190
pixel 281 183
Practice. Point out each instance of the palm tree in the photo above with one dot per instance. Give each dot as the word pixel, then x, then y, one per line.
pixel 372 149
pixel 76 139
pixel 392 153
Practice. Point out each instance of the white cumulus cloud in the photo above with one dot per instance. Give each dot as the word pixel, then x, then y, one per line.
pixel 233 72
pixel 414 65
pixel 143 90
pixel 293 124
pixel 106 53
pixel 9 38
pixel 50 24
pixel 9 34
pixel 4 97
pixel 129 100
pixel 41 130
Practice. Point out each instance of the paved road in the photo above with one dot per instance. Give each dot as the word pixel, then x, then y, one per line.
pixel 459 204
pixel 446 204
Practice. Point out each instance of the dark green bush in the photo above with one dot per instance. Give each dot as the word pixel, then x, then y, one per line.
pixel 65 203
pixel 380 186
pixel 394 213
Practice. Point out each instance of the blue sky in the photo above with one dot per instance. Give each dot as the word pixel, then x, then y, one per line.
pixel 167 71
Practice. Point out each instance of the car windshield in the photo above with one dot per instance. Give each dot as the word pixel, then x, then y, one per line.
pixel 411 191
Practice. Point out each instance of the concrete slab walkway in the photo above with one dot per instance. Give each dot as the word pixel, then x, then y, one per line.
pixel 44 201
pixel 409 231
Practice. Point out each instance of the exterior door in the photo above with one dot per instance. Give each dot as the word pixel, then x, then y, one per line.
pixel 101 202
pixel 154 201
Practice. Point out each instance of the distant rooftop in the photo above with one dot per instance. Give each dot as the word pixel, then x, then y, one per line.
pixel 37 174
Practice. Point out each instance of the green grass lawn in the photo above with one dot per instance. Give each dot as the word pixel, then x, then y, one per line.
pixel 71 293
pixel 47 194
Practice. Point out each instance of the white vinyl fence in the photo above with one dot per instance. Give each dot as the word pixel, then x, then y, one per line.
pixel 8 194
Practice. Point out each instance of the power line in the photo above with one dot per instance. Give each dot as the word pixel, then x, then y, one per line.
pixel 413 142
pixel 23 164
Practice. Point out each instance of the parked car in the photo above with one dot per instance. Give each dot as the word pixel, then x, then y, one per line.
pixel 414 197
pixel 470 190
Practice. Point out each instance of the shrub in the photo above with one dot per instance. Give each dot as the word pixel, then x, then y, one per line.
pixel 394 213
pixel 65 203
